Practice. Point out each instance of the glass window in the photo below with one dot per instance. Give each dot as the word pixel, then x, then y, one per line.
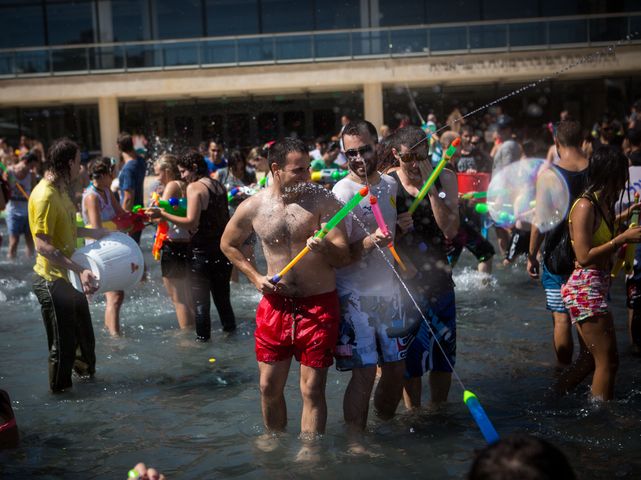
pixel 22 26
pixel 494 9
pixel 178 18
pixel 550 8
pixel 336 14
pixel 232 17
pixel 286 16
pixel 130 20
pixel 452 11
pixel 401 12
pixel 70 22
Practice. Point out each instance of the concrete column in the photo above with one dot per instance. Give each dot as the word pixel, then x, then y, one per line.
pixel 373 103
pixel 109 125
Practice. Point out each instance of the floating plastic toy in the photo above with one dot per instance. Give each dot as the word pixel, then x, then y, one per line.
pixel 335 220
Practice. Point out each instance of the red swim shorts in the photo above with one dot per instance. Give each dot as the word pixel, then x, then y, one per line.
pixel 304 327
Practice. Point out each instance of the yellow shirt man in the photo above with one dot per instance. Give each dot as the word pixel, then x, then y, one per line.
pixel 52 213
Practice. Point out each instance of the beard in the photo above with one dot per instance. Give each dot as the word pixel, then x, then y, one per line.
pixel 362 168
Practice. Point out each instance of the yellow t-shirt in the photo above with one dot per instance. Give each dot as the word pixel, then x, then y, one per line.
pixel 52 213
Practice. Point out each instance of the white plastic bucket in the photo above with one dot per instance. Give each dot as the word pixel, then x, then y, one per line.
pixel 116 260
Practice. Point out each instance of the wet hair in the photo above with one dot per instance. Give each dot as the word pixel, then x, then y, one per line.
pixel 193 161
pixel 607 173
pixel 61 154
pixel 409 136
pixel 467 128
pixel 235 158
pixel 360 128
pixel 529 148
pixel 634 137
pixel 31 157
pixel 279 150
pixel 521 457
pixel 447 138
pixel 125 142
pixel 169 163
pixel 386 158
pixel 254 153
pixel 568 133
pixel 100 167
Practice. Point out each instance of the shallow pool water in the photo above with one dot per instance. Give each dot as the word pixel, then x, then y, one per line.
pixel 157 398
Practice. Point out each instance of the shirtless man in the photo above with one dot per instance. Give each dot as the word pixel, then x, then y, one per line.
pixel 299 316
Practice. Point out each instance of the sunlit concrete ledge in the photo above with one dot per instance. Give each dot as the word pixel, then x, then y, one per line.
pixel 319 77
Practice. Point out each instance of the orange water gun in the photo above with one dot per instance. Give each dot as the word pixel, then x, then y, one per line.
pixel 625 256
pixel 161 235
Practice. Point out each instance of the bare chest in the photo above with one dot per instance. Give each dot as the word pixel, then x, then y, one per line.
pixel 285 225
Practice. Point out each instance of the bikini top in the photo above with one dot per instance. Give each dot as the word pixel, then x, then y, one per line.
pixel 604 232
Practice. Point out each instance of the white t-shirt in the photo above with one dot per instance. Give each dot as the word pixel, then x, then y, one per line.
pixel 371 275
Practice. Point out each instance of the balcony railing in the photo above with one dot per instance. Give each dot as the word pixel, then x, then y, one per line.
pixel 319 46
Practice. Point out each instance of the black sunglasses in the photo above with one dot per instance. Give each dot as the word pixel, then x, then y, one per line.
pixel 355 152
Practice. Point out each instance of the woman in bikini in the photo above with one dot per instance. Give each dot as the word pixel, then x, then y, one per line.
pixel 592 225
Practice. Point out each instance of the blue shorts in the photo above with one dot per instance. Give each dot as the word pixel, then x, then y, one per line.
pixel 424 354
pixel 17 223
pixel 362 338
pixel 552 284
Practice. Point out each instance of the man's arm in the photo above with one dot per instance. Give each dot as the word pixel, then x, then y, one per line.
pixel 239 228
pixel 127 200
pixel 45 247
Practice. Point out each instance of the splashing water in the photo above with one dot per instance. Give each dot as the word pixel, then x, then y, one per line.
pixel 528 191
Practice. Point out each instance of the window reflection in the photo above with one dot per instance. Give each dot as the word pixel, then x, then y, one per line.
pixel 13 32
pixel 130 20
pixel 178 18
pixel 286 16
pixel 232 17
pixel 70 22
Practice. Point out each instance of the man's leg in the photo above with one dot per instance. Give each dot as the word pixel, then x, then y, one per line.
pixel 312 389
pixel 440 383
pixel 634 328
pixel 389 390
pixel 85 362
pixel 356 400
pixel 563 343
pixel 13 246
pixel 412 393
pixel 58 316
pixel 273 377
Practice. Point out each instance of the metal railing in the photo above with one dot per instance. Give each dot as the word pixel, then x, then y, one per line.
pixel 319 46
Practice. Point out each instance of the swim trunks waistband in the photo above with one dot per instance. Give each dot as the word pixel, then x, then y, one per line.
pixel 281 300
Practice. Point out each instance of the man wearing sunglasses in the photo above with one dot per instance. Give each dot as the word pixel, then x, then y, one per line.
pixel 298 316
pixel 368 290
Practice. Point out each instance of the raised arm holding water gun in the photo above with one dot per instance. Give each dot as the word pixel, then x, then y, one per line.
pixel 206 216
pixel 422 242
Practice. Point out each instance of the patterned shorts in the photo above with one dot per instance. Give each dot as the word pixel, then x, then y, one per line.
pixel 585 294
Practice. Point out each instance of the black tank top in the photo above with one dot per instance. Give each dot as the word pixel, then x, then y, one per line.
pixel 213 218
pixel 425 245
pixel 576 182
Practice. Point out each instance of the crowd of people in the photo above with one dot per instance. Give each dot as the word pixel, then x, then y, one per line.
pixel 352 310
